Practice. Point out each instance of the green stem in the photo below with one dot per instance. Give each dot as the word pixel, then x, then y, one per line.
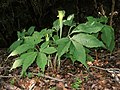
pixel 61 25
pixel 55 61
pixel 70 30
pixel 58 68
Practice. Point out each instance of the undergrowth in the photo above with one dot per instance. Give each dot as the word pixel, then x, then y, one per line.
pixel 40 46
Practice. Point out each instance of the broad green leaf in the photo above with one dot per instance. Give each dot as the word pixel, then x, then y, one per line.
pixel 29 40
pixel 18 34
pixel 15 45
pixel 88 40
pixel 41 61
pixel 108 37
pixel 59 41
pixel 43 32
pixel 18 62
pixel 30 30
pixel 50 32
pixel 89 27
pixel 63 45
pixel 49 50
pixel 56 24
pixel 69 55
pixel 112 44
pixel 69 20
pixel 21 35
pixel 72 52
pixel 103 19
pixel 79 52
pixel 21 49
pixel 30 50
pixel 70 17
pixel 91 19
pixel 28 59
pixel 37 37
pixel 44 45
pixel 34 39
pixel 55 37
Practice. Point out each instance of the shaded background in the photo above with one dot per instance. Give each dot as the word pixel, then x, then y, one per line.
pixel 15 15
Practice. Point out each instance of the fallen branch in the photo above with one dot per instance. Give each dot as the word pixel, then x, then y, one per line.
pixel 49 77
pixel 114 71
pixel 1 76
pixel 98 68
pixel 4 67
pixel 41 75
pixel 111 70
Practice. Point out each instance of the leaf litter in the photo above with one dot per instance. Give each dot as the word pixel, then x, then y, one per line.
pixel 104 74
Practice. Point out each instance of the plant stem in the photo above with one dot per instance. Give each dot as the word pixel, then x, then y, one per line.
pixel 112 12
pixel 61 25
pixel 55 61
pixel 58 67
pixel 70 30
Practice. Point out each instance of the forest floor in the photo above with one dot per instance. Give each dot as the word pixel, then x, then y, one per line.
pixel 103 74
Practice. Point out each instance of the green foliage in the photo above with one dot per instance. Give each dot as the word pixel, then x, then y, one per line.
pixel 76 85
pixel 12 81
pixel 30 50
pixel 33 46
pixel 15 45
pixel 21 49
pixel 89 27
pixel 63 45
pixel 28 59
pixel 41 60
pixel 69 21
pixel 108 37
pixel 88 40
pixel 78 52
pixel 18 62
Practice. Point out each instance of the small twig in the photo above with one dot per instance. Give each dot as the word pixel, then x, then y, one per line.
pixel 98 68
pixel 1 76
pixel 41 75
pixel 112 12
pixel 32 86
pixel 102 10
pixel 113 71
pixel 52 78
pixel 110 70
pixel 4 67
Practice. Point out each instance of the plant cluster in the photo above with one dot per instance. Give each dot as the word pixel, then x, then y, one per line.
pixel 39 46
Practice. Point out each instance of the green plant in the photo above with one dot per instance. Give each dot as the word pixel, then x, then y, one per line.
pixel 76 85
pixel 12 81
pixel 33 46
pixel 30 50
